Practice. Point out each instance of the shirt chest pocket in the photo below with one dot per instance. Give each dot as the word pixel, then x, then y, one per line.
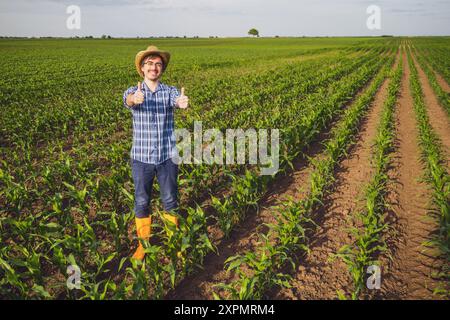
pixel 157 103
pixel 162 107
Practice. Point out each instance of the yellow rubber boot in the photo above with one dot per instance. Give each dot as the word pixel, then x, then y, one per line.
pixel 172 219
pixel 143 230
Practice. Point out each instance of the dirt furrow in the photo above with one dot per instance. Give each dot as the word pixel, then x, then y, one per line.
pixel 438 116
pixel 317 277
pixel 409 274
pixel 245 237
pixel 200 286
pixel 441 81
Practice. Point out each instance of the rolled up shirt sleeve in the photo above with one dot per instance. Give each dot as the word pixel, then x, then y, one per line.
pixel 130 90
pixel 174 94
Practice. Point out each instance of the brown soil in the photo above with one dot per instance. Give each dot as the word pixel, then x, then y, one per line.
pixel 200 286
pixel 441 81
pixel 409 274
pixel 436 113
pixel 245 237
pixel 317 276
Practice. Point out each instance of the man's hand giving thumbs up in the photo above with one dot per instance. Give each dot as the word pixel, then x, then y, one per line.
pixel 138 96
pixel 182 100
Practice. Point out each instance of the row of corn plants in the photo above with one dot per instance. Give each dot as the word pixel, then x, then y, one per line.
pixel 436 174
pixel 309 121
pixel 368 241
pixel 259 271
pixel 444 97
pixel 436 53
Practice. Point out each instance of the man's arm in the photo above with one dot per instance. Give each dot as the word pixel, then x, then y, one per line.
pixel 182 101
pixel 130 100
pixel 133 96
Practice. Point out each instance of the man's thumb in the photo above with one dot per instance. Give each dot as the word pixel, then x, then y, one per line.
pixel 182 91
pixel 139 86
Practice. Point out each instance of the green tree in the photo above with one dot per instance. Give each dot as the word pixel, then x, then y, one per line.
pixel 253 32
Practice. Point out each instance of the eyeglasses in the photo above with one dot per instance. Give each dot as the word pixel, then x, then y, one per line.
pixel 151 64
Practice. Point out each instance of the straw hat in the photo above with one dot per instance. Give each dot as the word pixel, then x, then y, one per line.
pixel 165 56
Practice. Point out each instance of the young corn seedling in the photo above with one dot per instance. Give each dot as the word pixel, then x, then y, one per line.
pixel 436 171
pixel 251 284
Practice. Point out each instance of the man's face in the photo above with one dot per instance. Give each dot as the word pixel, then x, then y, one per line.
pixel 152 68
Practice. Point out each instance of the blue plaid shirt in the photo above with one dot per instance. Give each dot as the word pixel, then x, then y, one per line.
pixel 153 123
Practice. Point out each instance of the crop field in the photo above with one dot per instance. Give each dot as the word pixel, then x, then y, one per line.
pixel 359 208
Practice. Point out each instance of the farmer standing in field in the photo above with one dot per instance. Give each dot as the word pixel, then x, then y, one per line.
pixel 152 104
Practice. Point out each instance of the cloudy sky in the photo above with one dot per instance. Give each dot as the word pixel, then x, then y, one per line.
pixel 127 18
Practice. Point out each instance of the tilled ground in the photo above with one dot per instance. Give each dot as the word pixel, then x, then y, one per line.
pixel 408 273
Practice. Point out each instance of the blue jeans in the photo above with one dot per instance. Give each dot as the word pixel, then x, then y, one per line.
pixel 143 176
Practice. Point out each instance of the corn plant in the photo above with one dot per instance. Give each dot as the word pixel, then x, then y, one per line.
pixel 368 242
pixel 436 170
pixel 263 265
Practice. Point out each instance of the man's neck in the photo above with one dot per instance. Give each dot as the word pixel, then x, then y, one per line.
pixel 152 84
